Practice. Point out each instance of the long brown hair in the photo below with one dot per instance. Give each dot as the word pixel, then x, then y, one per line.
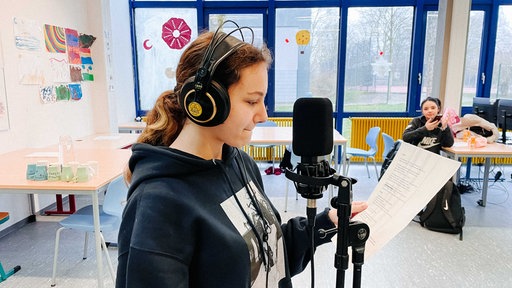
pixel 166 119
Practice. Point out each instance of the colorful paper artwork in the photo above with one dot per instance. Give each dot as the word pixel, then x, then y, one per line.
pixel 70 61
pixel 87 73
pixel 62 93
pixel 47 94
pixel 54 39
pixel 75 90
pixel 85 55
pixel 59 68
pixel 176 33
pixel 72 46
pixel 75 73
pixel 27 34
pixel 86 41
pixel 30 69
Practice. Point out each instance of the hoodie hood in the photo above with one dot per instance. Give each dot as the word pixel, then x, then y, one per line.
pixel 148 161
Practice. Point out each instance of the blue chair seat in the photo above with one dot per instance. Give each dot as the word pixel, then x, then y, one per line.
pixel 360 152
pixel 84 221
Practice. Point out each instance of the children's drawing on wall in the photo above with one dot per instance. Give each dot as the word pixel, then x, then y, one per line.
pixel 47 94
pixel 30 69
pixel 76 73
pixel 72 46
pixel 75 90
pixel 62 93
pixel 54 39
pixel 27 34
pixel 59 68
pixel 85 43
pixel 4 113
pixel 87 73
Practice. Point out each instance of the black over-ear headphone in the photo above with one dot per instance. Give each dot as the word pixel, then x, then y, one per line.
pixel 204 100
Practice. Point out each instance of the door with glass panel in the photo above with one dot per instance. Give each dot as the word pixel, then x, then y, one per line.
pixel 474 77
pixel 377 59
pixel 501 87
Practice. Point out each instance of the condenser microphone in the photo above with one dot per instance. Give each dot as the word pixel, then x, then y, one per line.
pixel 313 142
pixel 312 127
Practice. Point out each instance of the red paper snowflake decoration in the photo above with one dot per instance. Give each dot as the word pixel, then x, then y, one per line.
pixel 176 33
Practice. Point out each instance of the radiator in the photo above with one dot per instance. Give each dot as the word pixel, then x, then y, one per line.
pixel 265 154
pixel 393 126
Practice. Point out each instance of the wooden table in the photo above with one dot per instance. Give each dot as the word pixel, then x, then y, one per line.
pixel 106 141
pixel 131 127
pixel 284 136
pixel 95 141
pixel 111 164
pixel 494 150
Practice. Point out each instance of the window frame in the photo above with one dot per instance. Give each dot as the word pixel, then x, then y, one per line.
pixel 418 30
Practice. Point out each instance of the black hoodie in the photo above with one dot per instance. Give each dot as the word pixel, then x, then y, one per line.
pixel 190 222
pixel 432 140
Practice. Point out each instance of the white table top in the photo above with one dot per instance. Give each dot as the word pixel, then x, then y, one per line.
pixel 283 136
pixel 106 141
pixel 462 149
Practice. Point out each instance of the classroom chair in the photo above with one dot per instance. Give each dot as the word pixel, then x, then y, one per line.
pixel 82 220
pixel 371 140
pixel 4 216
pixel 388 144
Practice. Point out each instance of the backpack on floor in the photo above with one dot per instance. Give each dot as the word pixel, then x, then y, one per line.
pixel 444 213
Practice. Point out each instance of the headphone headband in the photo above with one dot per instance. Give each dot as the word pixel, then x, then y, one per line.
pixel 206 101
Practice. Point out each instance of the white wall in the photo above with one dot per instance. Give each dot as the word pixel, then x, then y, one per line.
pixel 122 63
pixel 34 124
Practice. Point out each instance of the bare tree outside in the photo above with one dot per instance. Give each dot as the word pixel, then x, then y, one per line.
pixel 378 57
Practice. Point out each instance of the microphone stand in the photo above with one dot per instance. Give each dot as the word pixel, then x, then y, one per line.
pixel 350 233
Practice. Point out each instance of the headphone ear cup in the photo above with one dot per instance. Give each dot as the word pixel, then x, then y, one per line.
pixel 208 109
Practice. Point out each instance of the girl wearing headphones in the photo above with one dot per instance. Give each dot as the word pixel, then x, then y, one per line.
pixel 196 214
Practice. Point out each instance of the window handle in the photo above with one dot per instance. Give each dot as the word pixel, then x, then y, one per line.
pixel 482 77
pixel 419 78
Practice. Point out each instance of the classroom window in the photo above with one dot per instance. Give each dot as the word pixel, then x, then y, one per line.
pixel 502 70
pixel 377 59
pixel 161 35
pixel 306 55
pixel 473 48
pixel 427 75
pixel 244 22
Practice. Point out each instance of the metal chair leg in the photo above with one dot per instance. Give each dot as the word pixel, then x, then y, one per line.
pixel 366 165
pixel 86 244
pixel 57 239
pixel 376 170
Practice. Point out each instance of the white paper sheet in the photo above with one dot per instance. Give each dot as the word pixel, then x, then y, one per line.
pixel 413 178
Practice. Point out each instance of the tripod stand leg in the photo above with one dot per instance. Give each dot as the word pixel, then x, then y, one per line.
pixel 357 261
